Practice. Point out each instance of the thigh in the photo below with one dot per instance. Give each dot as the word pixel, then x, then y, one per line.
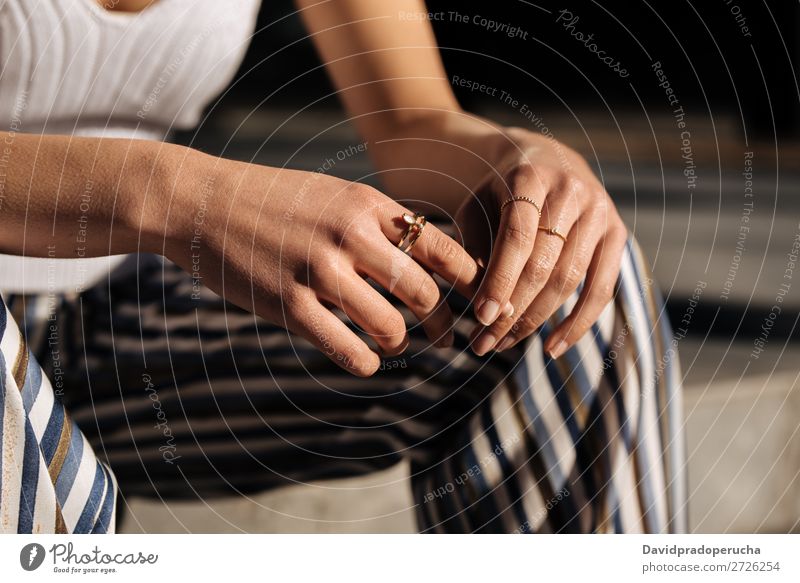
pixel 589 442
pixel 186 395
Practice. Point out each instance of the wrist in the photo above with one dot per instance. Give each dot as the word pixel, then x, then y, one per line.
pixel 171 198
pixel 439 157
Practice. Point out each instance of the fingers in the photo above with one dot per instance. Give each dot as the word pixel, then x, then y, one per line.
pixel 561 212
pixel 598 291
pixel 433 249
pixel 513 246
pixel 474 231
pixel 404 278
pixel 567 274
pixel 369 310
pixel 403 275
pixel 333 338
pixel 533 279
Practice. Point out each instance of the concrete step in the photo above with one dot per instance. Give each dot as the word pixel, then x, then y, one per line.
pixel 743 438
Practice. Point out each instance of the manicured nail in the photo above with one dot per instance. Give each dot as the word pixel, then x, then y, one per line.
pixel 488 312
pixel 558 349
pixel 508 311
pixel 484 344
pixel 505 343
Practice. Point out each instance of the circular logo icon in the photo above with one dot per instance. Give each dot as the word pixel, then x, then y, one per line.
pixel 31 556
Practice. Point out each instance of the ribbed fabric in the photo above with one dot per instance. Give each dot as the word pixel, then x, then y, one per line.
pixel 72 67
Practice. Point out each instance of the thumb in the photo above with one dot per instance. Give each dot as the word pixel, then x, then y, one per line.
pixel 474 232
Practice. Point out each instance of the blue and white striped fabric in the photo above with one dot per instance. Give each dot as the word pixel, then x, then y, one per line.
pixel 192 398
pixel 590 442
pixel 50 479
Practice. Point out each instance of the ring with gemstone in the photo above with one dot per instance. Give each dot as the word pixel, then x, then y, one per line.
pixel 416 223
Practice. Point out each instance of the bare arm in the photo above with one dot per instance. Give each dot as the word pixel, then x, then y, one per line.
pixel 390 76
pixel 81 197
pixel 244 230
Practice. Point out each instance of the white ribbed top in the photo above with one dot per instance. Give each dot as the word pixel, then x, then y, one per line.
pixel 72 67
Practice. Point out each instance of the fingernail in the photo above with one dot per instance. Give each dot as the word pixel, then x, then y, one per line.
pixel 505 343
pixel 488 312
pixel 508 311
pixel 484 344
pixel 558 349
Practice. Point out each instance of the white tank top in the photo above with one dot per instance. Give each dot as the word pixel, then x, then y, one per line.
pixel 71 67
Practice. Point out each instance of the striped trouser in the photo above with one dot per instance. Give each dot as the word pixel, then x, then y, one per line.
pixel 50 479
pixel 187 397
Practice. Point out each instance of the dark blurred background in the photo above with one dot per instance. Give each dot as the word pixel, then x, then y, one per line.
pixel 713 65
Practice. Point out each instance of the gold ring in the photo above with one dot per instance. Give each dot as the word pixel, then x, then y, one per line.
pixel 416 223
pixel 554 231
pixel 523 199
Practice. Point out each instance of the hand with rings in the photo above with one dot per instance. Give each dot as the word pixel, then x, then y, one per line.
pixel 292 246
pixel 540 225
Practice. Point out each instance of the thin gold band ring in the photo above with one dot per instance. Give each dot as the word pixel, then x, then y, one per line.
pixel 554 231
pixel 523 199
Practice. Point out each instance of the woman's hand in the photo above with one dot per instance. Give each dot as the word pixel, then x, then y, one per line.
pixel 390 76
pixel 290 246
pixel 534 269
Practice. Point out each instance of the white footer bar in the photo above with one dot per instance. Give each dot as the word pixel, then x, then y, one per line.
pixel 402 558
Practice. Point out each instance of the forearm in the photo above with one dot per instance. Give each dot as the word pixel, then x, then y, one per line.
pixel 440 158
pixel 390 77
pixel 70 197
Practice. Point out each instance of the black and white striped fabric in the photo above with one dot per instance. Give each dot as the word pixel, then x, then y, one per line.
pixel 187 397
